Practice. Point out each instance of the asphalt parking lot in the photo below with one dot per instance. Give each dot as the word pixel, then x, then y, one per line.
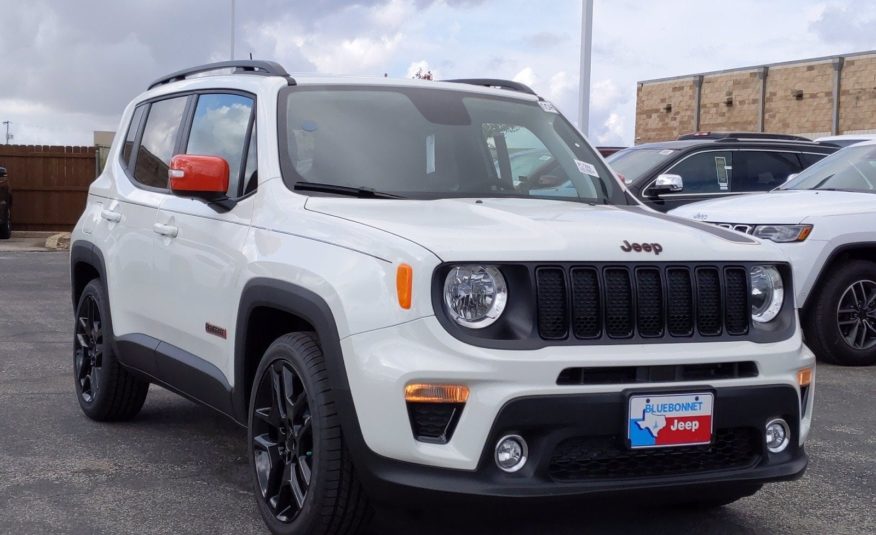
pixel 181 468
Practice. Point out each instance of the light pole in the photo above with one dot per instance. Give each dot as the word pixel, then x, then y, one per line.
pixel 232 30
pixel 8 135
pixel 584 74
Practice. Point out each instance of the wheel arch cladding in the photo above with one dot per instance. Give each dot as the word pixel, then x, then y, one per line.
pixel 843 253
pixel 269 309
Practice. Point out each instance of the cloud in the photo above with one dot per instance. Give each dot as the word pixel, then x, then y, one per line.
pixel 850 23
pixel 545 39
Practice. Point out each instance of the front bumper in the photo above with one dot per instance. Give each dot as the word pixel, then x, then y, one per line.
pixel 593 425
pixel 516 392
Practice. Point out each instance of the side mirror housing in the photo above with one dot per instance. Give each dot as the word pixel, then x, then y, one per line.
pixel 202 177
pixel 666 184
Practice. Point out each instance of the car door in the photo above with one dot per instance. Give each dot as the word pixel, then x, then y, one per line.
pixel 762 170
pixel 705 175
pixel 126 232
pixel 199 256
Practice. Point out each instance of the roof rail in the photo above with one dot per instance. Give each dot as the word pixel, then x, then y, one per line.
pixel 495 82
pixel 730 136
pixel 264 68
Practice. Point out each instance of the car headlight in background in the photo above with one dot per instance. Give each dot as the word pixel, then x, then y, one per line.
pixel 475 295
pixel 767 293
pixel 782 233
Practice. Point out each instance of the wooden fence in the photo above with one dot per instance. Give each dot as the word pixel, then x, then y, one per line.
pixel 49 184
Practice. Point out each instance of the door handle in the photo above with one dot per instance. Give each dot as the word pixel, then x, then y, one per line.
pixel 109 215
pixel 165 230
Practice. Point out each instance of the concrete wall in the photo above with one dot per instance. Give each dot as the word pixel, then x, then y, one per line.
pixel 798 99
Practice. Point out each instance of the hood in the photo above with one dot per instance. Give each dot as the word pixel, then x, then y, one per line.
pixel 789 206
pixel 519 230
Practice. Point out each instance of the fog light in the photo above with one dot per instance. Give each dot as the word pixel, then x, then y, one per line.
pixel 511 452
pixel 778 435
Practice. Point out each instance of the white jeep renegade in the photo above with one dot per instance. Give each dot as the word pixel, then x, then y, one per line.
pixel 357 271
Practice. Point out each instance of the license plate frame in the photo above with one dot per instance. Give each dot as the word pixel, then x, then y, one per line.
pixel 685 418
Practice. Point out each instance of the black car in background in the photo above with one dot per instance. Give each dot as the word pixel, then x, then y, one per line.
pixel 5 206
pixel 709 165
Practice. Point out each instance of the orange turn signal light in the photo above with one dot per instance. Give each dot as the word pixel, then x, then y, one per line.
pixel 435 393
pixel 804 232
pixel 404 284
pixel 804 377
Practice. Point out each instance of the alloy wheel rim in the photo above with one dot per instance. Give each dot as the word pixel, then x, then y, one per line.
pixel 282 439
pixel 856 315
pixel 88 348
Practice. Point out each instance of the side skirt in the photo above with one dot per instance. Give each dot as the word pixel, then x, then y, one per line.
pixel 176 370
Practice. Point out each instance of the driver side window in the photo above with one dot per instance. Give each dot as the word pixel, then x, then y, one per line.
pixel 706 172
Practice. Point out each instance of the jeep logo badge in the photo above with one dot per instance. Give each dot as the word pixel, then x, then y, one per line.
pixel 655 248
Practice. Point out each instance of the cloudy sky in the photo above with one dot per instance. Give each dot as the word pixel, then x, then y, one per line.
pixel 68 68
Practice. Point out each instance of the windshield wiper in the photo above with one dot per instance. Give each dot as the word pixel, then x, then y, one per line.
pixel 350 191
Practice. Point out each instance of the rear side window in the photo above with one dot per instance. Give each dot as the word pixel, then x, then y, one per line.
pixel 159 141
pixel 762 170
pixel 809 158
pixel 133 129
pixel 706 172
pixel 220 127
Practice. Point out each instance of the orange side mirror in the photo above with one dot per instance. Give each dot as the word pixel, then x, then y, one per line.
pixel 205 177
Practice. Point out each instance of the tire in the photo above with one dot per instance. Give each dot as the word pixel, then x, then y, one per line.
pixel 6 225
pixel 836 329
pixel 303 477
pixel 106 391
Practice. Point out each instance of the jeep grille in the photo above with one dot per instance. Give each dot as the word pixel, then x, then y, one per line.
pixel 617 302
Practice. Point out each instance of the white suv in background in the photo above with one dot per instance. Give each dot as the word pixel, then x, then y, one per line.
pixel 348 268
pixel 825 220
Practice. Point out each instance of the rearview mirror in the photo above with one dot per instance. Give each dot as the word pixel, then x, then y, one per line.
pixel 666 184
pixel 203 177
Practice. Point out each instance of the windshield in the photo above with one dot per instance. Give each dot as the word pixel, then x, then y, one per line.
pixel 851 169
pixel 430 143
pixel 632 163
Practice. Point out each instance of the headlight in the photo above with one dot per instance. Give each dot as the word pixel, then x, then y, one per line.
pixel 767 293
pixel 782 233
pixel 475 295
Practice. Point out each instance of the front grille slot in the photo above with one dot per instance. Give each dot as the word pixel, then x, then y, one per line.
pixel 708 301
pixel 617 375
pixel 680 302
pixel 646 301
pixel 586 311
pixel 553 314
pixel 736 294
pixel 649 288
pixel 618 303
pixel 606 458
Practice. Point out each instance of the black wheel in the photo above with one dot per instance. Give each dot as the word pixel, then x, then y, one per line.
pixel 106 391
pixel 6 224
pixel 303 477
pixel 840 326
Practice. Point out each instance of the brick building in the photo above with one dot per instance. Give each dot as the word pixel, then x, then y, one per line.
pixel 811 97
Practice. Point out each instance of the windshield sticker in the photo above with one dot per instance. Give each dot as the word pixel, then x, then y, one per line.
pixel 547 106
pixel 721 170
pixel 587 168
pixel 665 152
pixel 430 154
